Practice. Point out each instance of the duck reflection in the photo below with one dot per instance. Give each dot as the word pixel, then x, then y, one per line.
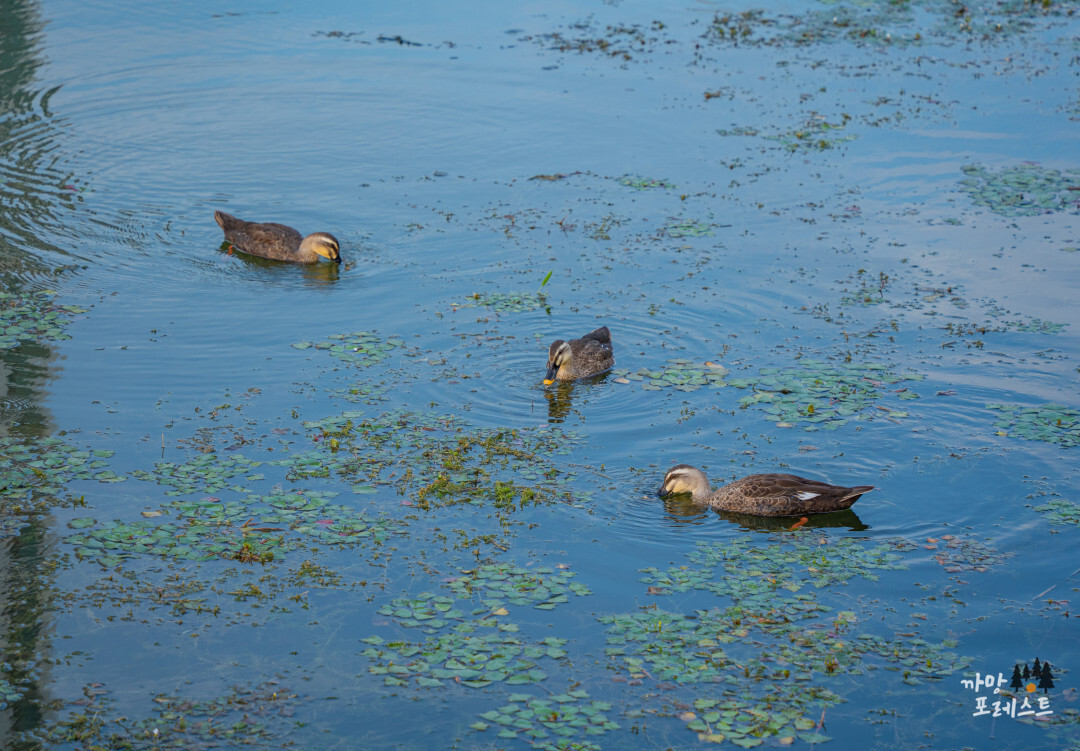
pixel 559 399
pixel 846 519
pixel 681 509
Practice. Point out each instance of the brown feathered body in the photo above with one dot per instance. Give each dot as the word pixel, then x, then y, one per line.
pixel 762 495
pixel 590 355
pixel 277 241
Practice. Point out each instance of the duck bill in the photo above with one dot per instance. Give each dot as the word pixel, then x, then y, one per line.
pixel 337 260
pixel 550 377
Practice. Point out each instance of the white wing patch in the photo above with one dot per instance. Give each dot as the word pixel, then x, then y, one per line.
pixel 806 495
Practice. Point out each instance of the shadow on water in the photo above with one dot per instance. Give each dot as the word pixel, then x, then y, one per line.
pixel 37 195
pixel 846 519
pixel 36 191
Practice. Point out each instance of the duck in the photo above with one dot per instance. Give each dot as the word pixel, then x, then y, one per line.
pixel 762 495
pixel 278 241
pixel 579 358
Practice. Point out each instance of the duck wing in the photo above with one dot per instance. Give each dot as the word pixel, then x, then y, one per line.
pixel 785 495
pixel 592 357
pixel 267 239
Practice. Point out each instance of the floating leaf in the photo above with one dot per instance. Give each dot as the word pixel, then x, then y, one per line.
pixel 1050 422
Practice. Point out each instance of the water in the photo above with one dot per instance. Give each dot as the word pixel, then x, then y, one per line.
pixel 783 206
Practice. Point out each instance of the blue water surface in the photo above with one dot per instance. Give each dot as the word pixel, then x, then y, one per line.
pixel 775 193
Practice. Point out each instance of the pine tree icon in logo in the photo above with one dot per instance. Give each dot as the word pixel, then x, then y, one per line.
pixel 1046 679
pixel 1017 682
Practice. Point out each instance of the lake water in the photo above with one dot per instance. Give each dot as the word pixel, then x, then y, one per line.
pixel 255 504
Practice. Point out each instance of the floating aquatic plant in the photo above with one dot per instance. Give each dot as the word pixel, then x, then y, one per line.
pixel 44 467
pixel 766 657
pixel 822 395
pixel 689 228
pixel 462 655
pixel 1023 190
pixel 816 134
pixel 737 131
pixel 747 721
pixel 254 529
pixel 1060 511
pixel 205 473
pixel 689 651
pixel 259 715
pixel 509 302
pixel 645 183
pixel 1036 326
pixel 439 460
pixel 965 554
pixel 497 584
pixel 363 393
pixel 428 611
pixel 679 374
pixel 915 658
pixel 622 41
pixel 825 560
pixel 33 316
pixel 561 722
pixel 1052 423
pixel 360 348
pixel 9 693
pixel 34 477
pixel 865 289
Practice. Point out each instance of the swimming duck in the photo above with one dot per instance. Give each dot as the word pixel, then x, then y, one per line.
pixel 578 358
pixel 762 495
pixel 277 241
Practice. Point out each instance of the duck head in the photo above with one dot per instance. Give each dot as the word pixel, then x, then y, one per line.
pixel 682 478
pixel 558 355
pixel 324 244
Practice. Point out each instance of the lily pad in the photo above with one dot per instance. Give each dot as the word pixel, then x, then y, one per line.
pixel 824 395
pixel 33 316
pixel 679 374
pixel 557 723
pixel 504 583
pixel 1050 422
pixel 509 302
pixel 1060 511
pixel 1022 190
pixel 360 348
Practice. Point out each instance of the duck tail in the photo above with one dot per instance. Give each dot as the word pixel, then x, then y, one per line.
pixel 601 335
pixel 857 491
